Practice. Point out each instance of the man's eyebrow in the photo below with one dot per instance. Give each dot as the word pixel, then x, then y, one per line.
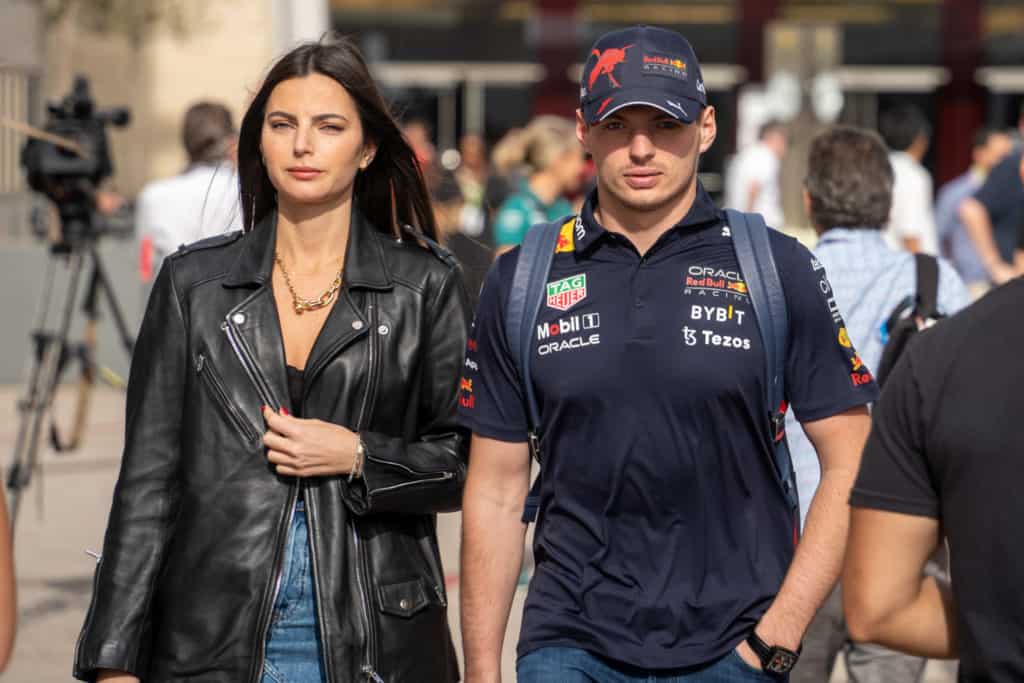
pixel 316 119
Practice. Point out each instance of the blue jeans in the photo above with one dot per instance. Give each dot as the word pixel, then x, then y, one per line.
pixel 571 665
pixel 293 643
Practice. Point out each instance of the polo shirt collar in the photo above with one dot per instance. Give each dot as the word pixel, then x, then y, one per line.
pixel 589 231
pixel 859 236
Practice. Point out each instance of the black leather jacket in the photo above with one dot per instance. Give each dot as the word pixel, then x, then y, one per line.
pixel 196 533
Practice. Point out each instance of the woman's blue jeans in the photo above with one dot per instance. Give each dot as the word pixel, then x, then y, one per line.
pixel 293 643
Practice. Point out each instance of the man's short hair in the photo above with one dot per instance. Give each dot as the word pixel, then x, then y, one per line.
pixel 901 125
pixel 770 126
pixel 985 134
pixel 206 132
pixel 849 179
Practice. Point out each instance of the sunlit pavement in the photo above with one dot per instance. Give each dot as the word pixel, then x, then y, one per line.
pixel 63 515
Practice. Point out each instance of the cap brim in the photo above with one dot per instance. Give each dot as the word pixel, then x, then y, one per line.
pixel 682 108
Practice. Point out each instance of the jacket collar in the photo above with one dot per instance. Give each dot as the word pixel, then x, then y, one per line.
pixel 365 265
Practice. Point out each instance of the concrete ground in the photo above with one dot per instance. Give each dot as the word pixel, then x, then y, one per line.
pixel 63 515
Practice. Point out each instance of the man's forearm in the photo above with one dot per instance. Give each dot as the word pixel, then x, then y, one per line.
pixel 978 226
pixel 492 556
pixel 924 627
pixel 816 564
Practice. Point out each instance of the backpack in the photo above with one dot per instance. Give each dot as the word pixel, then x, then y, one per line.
pixel 913 314
pixel 757 264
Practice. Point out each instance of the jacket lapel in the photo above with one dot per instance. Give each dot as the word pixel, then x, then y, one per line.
pixel 365 269
pixel 256 320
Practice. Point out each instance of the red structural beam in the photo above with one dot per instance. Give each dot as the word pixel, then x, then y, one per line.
pixel 754 17
pixel 961 107
pixel 554 31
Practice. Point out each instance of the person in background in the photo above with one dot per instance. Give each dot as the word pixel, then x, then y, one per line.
pixel 847 194
pixel 200 202
pixel 8 588
pixel 946 459
pixel 990 147
pixel 912 219
pixel 474 256
pixel 753 179
pixel 550 159
pixel 471 176
pixel 994 216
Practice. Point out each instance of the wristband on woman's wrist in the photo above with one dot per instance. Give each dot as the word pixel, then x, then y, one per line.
pixel 357 461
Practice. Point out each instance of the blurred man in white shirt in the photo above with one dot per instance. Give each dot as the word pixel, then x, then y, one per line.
pixel 912 220
pixel 200 202
pixel 753 178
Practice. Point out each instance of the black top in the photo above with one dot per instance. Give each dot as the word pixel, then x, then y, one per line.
pixel 476 258
pixel 296 383
pixel 947 443
pixel 1002 194
pixel 663 532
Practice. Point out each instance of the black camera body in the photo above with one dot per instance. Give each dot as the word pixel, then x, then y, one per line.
pixel 69 178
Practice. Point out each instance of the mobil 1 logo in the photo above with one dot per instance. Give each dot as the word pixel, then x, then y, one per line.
pixel 569 332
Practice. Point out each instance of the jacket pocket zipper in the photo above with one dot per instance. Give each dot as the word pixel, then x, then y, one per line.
pixel 212 380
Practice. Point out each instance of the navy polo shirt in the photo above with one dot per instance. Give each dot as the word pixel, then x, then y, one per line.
pixel 663 533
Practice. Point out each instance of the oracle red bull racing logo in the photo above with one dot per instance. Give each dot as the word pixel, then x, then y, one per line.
pixel 707 281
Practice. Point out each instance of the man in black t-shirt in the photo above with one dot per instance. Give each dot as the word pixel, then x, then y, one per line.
pixel 664 542
pixel 946 457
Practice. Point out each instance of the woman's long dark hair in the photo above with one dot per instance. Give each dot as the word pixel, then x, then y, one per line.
pixel 391 191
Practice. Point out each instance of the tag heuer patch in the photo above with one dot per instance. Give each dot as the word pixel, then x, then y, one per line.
pixel 566 293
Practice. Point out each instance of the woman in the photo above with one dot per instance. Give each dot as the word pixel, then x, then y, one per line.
pixel 550 159
pixel 291 416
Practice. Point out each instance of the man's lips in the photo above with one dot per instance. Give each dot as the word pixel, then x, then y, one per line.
pixel 643 178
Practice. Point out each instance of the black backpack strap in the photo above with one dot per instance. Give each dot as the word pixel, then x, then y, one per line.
pixel 757 263
pixel 525 299
pixel 927 286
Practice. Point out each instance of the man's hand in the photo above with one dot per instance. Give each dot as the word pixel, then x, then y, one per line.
pixel 308 448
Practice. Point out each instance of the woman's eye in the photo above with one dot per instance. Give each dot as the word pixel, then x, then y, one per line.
pixel 277 125
pixel 332 129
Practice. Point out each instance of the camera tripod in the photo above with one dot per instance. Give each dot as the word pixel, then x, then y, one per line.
pixel 52 350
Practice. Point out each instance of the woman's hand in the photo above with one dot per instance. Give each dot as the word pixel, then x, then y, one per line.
pixel 308 448
pixel 108 676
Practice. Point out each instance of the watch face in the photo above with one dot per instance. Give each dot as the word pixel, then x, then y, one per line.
pixel 782 661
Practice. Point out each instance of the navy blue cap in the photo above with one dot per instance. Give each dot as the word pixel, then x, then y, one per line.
pixel 642 65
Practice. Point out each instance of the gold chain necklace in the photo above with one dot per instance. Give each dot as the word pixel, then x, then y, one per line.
pixel 302 304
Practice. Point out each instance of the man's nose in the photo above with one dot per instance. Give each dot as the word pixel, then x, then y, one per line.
pixel 640 146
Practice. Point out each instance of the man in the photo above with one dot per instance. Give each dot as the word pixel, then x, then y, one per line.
pixel 847 194
pixel 946 458
pixel 912 220
pixel 200 202
pixel 989 148
pixel 753 178
pixel 664 542
pixel 994 216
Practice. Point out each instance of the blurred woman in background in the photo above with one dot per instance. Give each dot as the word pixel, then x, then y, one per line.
pixel 550 160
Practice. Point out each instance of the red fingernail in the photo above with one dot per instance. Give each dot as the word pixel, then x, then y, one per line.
pixel 285 410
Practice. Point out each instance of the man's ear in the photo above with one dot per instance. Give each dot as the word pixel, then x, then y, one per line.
pixel 582 129
pixel 708 128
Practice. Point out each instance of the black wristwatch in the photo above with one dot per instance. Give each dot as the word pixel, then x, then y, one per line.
pixel 774 659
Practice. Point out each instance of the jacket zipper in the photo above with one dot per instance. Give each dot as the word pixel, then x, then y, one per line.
pixel 267 611
pixel 362 574
pixel 244 356
pixel 311 516
pixel 212 380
